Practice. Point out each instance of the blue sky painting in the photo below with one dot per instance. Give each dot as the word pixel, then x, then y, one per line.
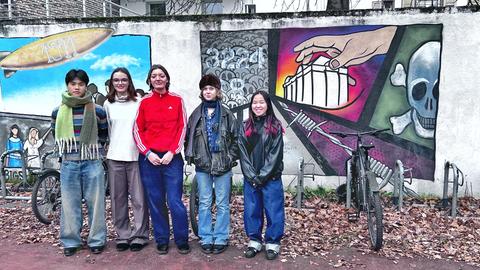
pixel 38 91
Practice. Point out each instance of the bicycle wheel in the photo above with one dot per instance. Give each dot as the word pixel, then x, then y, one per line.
pixel 46 197
pixel 193 206
pixel 375 219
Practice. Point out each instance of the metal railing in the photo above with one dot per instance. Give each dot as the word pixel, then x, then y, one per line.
pixel 458 180
pixel 45 9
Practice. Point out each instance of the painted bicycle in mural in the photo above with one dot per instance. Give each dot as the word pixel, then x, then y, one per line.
pixel 364 188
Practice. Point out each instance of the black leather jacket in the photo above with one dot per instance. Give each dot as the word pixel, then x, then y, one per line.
pixel 272 157
pixel 196 143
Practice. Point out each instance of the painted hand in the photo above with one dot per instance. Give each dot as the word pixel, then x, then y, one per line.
pixel 347 50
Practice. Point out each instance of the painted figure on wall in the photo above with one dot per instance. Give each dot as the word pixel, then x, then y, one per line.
pixel 14 142
pixel 32 145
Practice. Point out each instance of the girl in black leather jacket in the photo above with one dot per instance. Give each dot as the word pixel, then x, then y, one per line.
pixel 261 159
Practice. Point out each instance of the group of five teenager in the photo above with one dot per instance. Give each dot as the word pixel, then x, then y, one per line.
pixel 145 139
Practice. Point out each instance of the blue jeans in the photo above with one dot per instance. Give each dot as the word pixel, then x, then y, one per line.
pixel 82 179
pixel 164 184
pixel 208 233
pixel 268 198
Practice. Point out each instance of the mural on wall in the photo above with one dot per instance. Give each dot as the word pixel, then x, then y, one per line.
pixel 34 68
pixel 351 79
pixel 239 59
pixel 35 138
pixel 33 79
pixel 14 142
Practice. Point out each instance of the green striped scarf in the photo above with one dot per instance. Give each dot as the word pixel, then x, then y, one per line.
pixel 64 134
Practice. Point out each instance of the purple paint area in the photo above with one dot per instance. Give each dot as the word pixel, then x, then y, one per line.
pixel 364 74
pixel 386 153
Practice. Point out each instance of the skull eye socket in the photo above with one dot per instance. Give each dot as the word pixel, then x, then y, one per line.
pixel 435 90
pixel 419 90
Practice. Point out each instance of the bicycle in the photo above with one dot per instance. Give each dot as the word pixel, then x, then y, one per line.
pixel 26 174
pixel 364 187
pixel 46 196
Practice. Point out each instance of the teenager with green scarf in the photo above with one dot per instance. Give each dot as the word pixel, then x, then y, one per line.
pixel 80 127
pixel 211 144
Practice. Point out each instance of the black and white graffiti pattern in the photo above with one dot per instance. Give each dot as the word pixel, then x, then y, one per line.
pixel 239 59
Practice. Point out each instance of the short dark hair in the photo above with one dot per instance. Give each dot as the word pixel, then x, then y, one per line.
pixel 150 74
pixel 77 74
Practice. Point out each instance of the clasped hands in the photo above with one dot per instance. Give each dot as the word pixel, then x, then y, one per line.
pixel 156 160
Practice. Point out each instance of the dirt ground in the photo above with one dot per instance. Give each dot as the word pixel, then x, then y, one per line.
pixel 317 237
pixel 47 256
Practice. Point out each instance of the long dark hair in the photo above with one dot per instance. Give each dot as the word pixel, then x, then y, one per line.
pixel 272 124
pixel 19 133
pixel 132 95
pixel 157 66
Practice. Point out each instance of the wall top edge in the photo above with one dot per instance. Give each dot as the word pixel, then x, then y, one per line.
pixel 260 16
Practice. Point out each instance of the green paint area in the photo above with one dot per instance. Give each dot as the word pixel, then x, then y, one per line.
pixel 393 100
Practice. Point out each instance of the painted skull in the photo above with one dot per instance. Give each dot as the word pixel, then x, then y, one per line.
pixel 422 86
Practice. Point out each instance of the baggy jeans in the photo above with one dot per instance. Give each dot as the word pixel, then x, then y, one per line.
pixel 82 179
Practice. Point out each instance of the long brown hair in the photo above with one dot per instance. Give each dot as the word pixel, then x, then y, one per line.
pixel 132 95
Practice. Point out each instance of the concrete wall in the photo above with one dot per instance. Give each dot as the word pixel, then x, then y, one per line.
pixel 175 43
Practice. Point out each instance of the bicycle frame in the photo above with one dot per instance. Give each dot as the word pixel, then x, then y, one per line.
pixel 365 188
pixel 360 162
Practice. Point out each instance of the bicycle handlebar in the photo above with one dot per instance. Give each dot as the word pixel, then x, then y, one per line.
pixel 374 132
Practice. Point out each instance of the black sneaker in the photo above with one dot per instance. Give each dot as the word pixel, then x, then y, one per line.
pixel 251 252
pixel 183 248
pixel 206 248
pixel 162 249
pixel 217 249
pixel 97 250
pixel 122 246
pixel 137 247
pixel 70 251
pixel 271 254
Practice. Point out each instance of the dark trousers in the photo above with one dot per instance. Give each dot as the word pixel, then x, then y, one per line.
pixel 268 199
pixel 164 185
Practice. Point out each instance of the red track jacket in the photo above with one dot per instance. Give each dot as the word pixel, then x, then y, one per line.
pixel 160 123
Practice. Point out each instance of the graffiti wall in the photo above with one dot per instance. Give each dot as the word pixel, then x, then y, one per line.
pixel 414 74
pixel 33 79
pixel 239 59
pixel 341 79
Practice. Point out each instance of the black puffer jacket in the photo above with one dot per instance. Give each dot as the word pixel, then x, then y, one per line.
pixel 261 168
pixel 196 143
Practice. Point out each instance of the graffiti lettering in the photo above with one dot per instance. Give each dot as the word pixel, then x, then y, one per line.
pixel 12 174
pixel 240 60
pixel 234 58
pixel 59 49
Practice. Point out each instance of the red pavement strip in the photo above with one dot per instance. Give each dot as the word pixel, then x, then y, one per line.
pixel 45 256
